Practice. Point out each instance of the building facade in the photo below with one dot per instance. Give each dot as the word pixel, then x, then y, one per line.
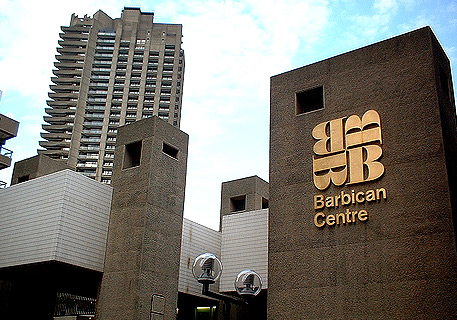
pixel 363 185
pixel 110 72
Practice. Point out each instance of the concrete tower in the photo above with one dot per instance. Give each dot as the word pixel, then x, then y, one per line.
pixel 110 72
pixel 140 279
pixel 363 185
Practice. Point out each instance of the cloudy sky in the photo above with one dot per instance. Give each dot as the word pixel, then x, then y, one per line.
pixel 232 49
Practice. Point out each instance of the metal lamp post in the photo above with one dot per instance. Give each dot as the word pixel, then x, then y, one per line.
pixel 207 269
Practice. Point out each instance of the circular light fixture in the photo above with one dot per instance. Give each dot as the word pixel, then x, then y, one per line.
pixel 207 268
pixel 248 282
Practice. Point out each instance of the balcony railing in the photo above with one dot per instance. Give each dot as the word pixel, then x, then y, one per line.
pixel 6 152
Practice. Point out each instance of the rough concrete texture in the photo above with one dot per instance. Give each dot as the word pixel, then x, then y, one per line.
pixel 401 263
pixel 144 237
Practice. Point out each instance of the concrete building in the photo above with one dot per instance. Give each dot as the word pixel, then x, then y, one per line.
pixel 8 130
pixel 361 208
pixel 110 72
pixel 363 204
pixel 53 237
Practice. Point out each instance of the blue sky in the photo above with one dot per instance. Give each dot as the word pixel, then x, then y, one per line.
pixel 232 49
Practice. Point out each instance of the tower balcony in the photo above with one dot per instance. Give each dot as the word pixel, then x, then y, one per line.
pixel 63 103
pixel 5 157
pixel 57 120
pixel 71 50
pixel 74 29
pixel 67 87
pixel 69 57
pixel 54 153
pixel 72 43
pixel 66 80
pixel 74 36
pixel 57 127
pixel 54 144
pixel 68 65
pixel 57 95
pixel 55 135
pixel 67 72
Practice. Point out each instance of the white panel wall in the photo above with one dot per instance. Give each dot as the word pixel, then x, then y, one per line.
pixel 196 239
pixel 62 216
pixel 244 246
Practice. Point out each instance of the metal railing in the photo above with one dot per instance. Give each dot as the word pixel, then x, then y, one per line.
pixel 69 304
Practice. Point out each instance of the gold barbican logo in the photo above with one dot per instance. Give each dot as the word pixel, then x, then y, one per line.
pixel 347 150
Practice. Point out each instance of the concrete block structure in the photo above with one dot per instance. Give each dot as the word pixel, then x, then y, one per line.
pixel 34 167
pixel 363 185
pixel 242 195
pixel 140 279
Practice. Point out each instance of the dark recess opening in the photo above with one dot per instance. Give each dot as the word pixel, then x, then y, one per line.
pixel 238 203
pixel 23 178
pixel 264 203
pixel 132 154
pixel 310 100
pixel 169 150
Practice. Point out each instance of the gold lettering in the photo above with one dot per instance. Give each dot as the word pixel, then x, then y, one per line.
pixel 316 220
pixel 358 199
pixel 348 218
pixel 345 198
pixel 336 200
pixel 329 202
pixel 353 215
pixel 378 193
pixel 334 141
pixel 370 196
pixel 318 202
pixel 363 131
pixel 340 215
pixel 363 215
pixel 329 169
pixel 330 220
pixel 347 150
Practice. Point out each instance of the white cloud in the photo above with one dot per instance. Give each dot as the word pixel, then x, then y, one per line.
pixel 386 6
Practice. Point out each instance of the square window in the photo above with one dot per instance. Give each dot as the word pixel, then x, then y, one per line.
pixel 169 150
pixel 309 100
pixel 132 154
pixel 238 203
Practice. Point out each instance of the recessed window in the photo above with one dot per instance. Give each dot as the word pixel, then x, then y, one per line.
pixel 309 100
pixel 264 203
pixel 169 150
pixel 238 203
pixel 132 154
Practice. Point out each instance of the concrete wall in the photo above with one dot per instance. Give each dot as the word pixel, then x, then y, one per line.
pixel 399 262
